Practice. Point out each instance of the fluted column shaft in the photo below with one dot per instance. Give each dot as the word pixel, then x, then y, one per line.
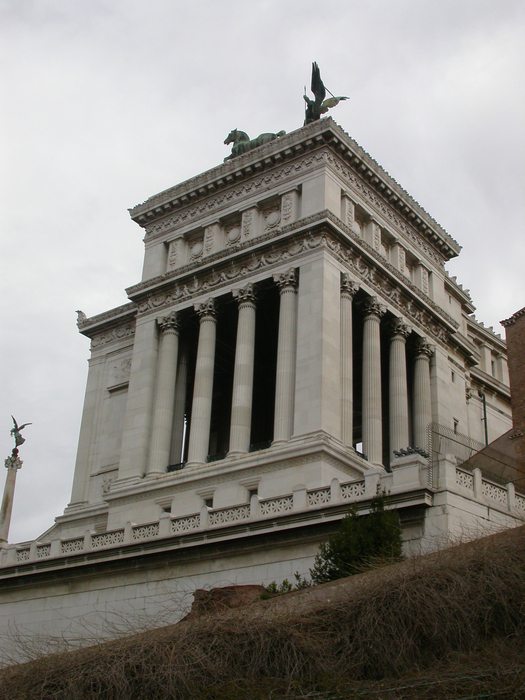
pixel 398 389
pixel 422 396
pixel 372 420
pixel 348 290
pixel 286 354
pixel 203 387
pixel 159 456
pixel 241 418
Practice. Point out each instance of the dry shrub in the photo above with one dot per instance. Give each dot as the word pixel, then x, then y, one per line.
pixel 450 621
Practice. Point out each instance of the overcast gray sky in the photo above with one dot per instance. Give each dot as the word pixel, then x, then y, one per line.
pixel 106 102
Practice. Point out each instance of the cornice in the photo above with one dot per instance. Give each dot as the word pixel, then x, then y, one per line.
pixel 107 320
pixel 489 382
pixel 512 320
pixel 319 133
pixel 487 335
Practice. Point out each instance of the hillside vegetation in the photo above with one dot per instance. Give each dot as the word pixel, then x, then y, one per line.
pixel 446 625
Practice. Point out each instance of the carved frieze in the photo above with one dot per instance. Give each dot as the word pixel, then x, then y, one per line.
pixel 366 265
pixel 231 196
pixel 112 336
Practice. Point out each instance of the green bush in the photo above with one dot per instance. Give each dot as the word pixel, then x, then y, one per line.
pixel 362 541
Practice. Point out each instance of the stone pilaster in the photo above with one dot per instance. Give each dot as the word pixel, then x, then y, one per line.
pixel 203 387
pixel 348 291
pixel 286 353
pixel 372 422
pixel 398 389
pixel 422 396
pixel 159 455
pixel 241 419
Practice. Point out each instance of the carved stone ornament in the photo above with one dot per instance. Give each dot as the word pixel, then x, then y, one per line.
pixel 373 307
pixel 112 336
pixel 245 294
pixel 349 288
pixel 206 309
pixel 399 328
pixel 424 348
pixel 169 322
pixel 286 280
pixel 122 370
pixel 13 462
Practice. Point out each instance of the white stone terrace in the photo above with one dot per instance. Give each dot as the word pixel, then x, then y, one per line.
pixel 408 484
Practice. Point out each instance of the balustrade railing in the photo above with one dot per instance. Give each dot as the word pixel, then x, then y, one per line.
pixel 258 509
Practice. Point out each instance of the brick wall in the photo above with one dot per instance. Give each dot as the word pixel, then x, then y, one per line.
pixel 515 334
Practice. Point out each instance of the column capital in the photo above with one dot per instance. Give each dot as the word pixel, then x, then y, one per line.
pixel 286 281
pixel 245 294
pixel 399 329
pixel 171 321
pixel 13 463
pixel 372 307
pixel 424 348
pixel 349 288
pixel 207 310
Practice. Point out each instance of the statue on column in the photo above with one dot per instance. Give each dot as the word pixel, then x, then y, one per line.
pixel 315 108
pixel 12 463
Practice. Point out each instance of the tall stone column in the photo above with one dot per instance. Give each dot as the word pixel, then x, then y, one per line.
pixel 372 423
pixel 13 463
pixel 241 419
pixel 398 389
pixel 422 396
pixel 348 291
pixel 159 455
pixel 203 387
pixel 286 353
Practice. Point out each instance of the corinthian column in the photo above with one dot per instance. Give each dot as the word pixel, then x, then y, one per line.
pixel 398 398
pixel 13 463
pixel 286 350
pixel 203 388
pixel 372 424
pixel 159 454
pixel 348 291
pixel 241 420
pixel 422 398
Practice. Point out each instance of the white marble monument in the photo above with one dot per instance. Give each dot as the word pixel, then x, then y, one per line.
pixel 293 330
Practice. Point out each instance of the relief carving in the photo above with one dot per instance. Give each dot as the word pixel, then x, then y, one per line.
pixel 112 336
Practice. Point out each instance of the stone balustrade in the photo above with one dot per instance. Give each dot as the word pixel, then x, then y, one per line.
pixel 403 478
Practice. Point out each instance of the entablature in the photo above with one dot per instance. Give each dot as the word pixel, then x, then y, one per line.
pixel 318 134
pixel 289 245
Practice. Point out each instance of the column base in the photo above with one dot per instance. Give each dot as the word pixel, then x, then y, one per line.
pixel 194 465
pixel 237 453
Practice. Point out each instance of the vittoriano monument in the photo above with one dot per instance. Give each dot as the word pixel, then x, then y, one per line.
pixel 294 343
pixel 12 463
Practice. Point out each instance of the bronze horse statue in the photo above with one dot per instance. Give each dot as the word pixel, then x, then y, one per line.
pixel 242 142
